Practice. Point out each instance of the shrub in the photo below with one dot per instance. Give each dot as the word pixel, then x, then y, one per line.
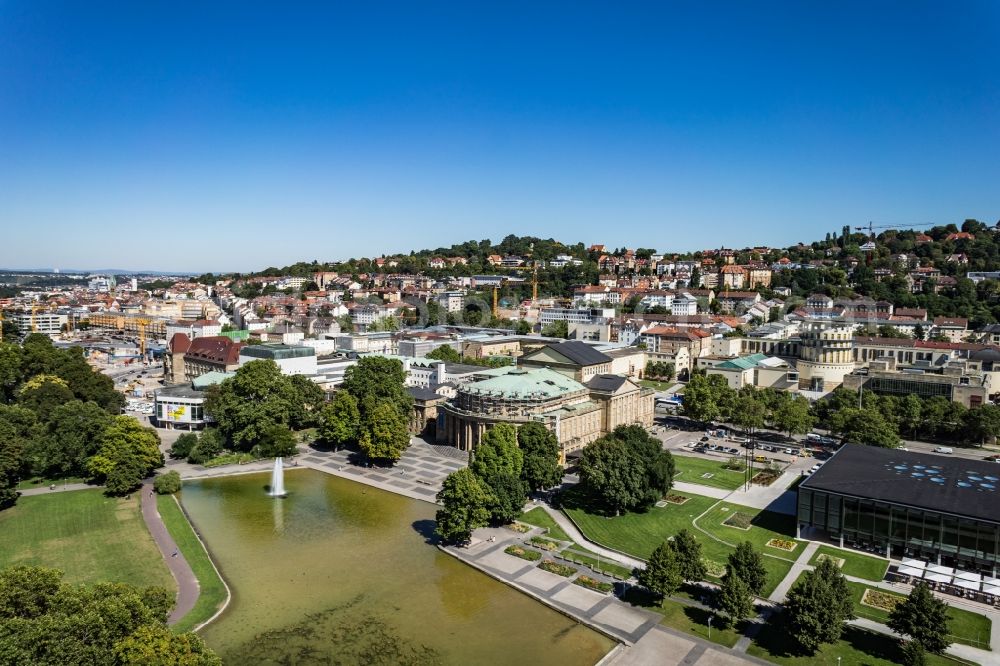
pixel 593 584
pixel 167 484
pixel 523 553
pixel 558 569
pixel 544 544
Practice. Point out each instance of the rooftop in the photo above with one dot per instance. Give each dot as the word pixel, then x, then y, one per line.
pixel 938 483
pixel 511 382
pixel 277 352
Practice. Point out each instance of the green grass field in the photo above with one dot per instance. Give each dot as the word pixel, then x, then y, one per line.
pixel 694 620
pixel 90 537
pixel 855 564
pixel 964 626
pixel 765 525
pixel 638 534
pixel 539 518
pixel 691 469
pixel 856 647
pixel 213 591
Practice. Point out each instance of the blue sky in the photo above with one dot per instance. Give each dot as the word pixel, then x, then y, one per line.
pixel 233 136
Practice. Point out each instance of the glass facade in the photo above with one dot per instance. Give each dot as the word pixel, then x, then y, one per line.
pixel 901 530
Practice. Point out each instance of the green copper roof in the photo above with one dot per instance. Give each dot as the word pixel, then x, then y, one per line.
pixel 211 378
pixel 744 362
pixel 510 382
pixel 277 351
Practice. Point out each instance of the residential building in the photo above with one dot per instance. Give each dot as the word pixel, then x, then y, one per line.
pixel 186 359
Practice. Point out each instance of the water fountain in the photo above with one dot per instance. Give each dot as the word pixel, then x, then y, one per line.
pixel 278 479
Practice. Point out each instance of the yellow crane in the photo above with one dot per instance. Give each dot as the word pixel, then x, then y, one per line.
pixel 141 323
pixel 496 304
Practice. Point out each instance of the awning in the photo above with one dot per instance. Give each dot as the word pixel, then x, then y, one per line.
pixel 937 577
pixel 991 581
pixel 911 571
pixel 968 575
pixel 938 569
pixel 913 564
pixel 991 589
pixel 967 584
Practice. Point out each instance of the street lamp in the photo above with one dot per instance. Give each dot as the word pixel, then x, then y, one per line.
pixel 710 633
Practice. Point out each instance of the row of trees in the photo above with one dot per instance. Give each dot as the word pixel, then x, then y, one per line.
pixel 659 370
pixel 508 463
pixel 710 398
pixel 44 620
pixel 59 418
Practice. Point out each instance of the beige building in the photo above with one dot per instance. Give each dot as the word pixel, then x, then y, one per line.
pixel 573 358
pixel 577 413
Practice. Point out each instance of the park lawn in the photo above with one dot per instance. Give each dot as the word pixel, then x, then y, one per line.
pixel 638 534
pixel 855 564
pixel 653 384
pixel 856 647
pixel 90 537
pixel 694 620
pixel 964 626
pixel 212 591
pixel 765 525
pixel 41 482
pixel 581 555
pixel 540 518
pixel 690 470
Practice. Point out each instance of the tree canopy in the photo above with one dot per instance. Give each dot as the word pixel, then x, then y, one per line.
pixel 818 606
pixel 626 469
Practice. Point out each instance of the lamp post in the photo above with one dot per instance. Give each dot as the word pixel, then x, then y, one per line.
pixel 710 633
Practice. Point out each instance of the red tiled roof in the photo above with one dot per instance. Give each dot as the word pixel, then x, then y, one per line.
pixel 215 349
pixel 179 343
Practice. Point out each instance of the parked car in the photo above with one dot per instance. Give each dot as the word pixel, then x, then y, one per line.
pixel 943 449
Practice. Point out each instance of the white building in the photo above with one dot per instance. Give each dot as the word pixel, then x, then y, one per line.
pixel 47 323
pixel 293 360
pixel 451 301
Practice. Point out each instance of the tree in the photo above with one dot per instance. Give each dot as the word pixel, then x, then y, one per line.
pixel 340 420
pixel 748 565
pixel 17 427
pixel 384 433
pixel 508 497
pixel 210 444
pixel 793 416
pixel 257 397
pixel 183 446
pixel 924 618
pixel 610 474
pixel 688 556
pixel 865 426
pixel 46 621
pixel 465 506
pixel 540 448
pixel 498 453
pixel 43 393
pixel 910 410
pixel 818 606
pixel 167 484
pixel 310 398
pixel 735 599
pixel 375 381
pixel 662 573
pixel 557 329
pixel 703 399
pixel 153 645
pixel 445 353
pixel 981 424
pixel 276 441
pixel 128 453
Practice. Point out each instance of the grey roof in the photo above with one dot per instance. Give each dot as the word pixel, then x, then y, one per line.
pixel 580 352
pixel 424 393
pixel 461 368
pixel 957 486
pixel 608 383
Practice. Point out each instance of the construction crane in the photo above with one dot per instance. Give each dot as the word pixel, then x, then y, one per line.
pixel 534 285
pixel 496 301
pixel 141 323
pixel 872 227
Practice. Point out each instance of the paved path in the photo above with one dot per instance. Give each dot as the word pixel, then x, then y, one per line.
pixel 187 584
pixel 646 642
pixel 801 564
pixel 569 528
pixel 46 490
pixel 698 489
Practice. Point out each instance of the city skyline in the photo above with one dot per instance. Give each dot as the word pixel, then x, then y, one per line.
pixel 253 138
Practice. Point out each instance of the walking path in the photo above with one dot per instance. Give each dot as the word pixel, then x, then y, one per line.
pixel 801 564
pixel 46 490
pixel 187 584
pixel 698 489
pixel 646 642
pixel 576 535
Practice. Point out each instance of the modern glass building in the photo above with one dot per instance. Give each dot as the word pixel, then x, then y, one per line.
pixel 935 508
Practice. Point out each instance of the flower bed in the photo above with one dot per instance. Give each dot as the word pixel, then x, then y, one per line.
pixel 520 528
pixel 593 584
pixel 735 465
pixel 523 553
pixel 782 544
pixel 765 478
pixel 878 599
pixel 713 568
pixel 738 520
pixel 544 544
pixel 558 569
pixel 676 499
pixel 837 561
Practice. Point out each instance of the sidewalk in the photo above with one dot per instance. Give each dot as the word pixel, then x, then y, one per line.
pixel 187 584
pixel 569 528
pixel 45 490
